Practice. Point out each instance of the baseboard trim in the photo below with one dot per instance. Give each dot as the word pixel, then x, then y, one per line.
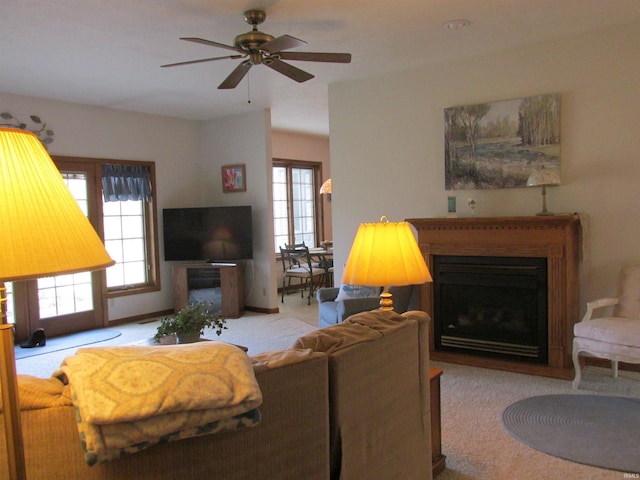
pixel 262 310
pixel 138 318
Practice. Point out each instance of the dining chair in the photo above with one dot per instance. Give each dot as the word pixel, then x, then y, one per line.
pixel 297 264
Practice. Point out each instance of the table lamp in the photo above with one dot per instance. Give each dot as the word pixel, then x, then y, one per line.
pixel 543 177
pixel 44 233
pixel 385 254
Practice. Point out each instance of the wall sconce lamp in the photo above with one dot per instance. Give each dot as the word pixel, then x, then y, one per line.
pixel 325 189
pixel 44 233
pixel 543 177
pixel 385 254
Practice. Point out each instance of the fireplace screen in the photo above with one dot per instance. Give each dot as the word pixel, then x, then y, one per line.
pixel 492 306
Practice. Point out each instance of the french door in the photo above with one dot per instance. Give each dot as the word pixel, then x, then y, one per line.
pixel 65 303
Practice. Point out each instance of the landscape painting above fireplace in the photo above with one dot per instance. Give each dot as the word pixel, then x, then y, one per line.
pixel 500 144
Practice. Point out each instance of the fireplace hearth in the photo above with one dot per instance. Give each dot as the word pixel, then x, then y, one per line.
pixel 492 306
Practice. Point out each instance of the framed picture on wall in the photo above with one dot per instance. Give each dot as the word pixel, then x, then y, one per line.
pixel 500 144
pixel 234 178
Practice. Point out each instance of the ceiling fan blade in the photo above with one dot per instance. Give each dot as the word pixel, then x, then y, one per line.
pixel 290 71
pixel 211 43
pixel 233 57
pixel 284 42
pixel 316 57
pixel 236 76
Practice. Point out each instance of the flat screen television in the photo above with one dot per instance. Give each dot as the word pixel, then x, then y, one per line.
pixel 212 234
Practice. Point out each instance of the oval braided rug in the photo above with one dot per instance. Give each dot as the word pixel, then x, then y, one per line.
pixel 593 430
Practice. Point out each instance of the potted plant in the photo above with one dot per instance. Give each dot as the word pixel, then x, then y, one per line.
pixel 189 323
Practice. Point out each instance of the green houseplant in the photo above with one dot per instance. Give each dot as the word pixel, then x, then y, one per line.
pixel 189 323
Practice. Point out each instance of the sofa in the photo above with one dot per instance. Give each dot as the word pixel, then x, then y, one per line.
pixel 346 402
pixel 332 310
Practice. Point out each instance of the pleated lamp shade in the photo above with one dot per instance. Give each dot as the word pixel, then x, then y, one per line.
pixel 385 254
pixel 44 232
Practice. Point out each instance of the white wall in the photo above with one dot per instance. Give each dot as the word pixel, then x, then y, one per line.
pixel 85 131
pixel 387 143
pixel 245 139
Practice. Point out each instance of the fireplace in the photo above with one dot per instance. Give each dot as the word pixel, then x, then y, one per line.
pixel 491 306
pixel 543 349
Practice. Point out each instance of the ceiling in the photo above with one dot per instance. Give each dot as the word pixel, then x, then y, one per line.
pixel 108 52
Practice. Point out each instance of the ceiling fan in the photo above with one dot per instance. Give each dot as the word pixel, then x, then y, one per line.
pixel 262 48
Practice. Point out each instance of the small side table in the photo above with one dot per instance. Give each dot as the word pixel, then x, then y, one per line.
pixel 437 458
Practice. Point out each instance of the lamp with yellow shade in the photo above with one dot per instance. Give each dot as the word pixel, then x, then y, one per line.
pixel 385 254
pixel 44 233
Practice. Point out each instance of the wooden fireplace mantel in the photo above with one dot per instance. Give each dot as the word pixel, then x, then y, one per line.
pixel 554 237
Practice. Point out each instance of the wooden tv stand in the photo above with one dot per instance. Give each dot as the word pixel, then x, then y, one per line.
pixel 227 276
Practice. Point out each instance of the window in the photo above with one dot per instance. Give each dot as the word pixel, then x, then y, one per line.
pixel 295 202
pixel 125 208
pixel 124 239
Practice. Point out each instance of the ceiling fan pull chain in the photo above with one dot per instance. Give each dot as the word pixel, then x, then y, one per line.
pixel 249 88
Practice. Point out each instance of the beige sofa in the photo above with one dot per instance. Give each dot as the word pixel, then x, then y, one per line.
pixel 346 402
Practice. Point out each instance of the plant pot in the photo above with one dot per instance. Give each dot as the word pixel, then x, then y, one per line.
pixel 188 337
pixel 167 340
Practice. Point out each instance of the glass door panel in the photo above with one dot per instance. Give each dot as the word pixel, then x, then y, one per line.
pixel 64 303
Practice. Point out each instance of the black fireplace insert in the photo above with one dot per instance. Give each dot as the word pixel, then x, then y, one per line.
pixel 491 306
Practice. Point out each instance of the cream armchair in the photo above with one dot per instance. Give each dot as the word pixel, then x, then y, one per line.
pixel 615 337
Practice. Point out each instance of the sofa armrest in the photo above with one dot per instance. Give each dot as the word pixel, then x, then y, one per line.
pixel 328 294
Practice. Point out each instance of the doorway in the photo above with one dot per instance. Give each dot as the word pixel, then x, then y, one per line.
pixel 65 303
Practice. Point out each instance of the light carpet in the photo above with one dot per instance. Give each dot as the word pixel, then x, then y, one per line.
pixel 591 429
pixel 259 333
pixel 476 445
pixel 68 341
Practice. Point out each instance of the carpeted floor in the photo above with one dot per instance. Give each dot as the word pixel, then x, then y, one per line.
pixel 578 427
pixel 66 342
pixel 256 331
pixel 477 446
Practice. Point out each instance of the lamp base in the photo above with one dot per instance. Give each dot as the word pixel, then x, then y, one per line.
pixel 545 213
pixel 386 300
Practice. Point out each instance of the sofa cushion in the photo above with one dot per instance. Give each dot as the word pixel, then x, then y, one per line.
pixel 356 291
pixel 278 358
pixel 359 328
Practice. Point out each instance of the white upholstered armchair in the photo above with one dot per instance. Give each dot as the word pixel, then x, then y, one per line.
pixel 615 337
